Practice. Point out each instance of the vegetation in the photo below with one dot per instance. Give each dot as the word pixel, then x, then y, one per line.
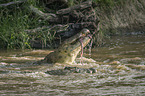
pixel 14 22
pixel 16 19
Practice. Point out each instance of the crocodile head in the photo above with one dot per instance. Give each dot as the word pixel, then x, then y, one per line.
pixel 69 49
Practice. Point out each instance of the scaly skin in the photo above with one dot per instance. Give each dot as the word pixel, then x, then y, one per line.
pixel 69 49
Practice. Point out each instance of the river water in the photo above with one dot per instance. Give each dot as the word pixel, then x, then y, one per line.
pixel 120 68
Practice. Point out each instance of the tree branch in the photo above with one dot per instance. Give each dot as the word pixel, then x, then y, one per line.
pixel 51 1
pixel 46 16
pixel 83 5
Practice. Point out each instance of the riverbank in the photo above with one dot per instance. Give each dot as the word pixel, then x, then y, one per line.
pixel 122 17
pixel 126 17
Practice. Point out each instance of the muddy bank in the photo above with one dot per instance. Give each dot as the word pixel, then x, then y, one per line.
pixel 124 18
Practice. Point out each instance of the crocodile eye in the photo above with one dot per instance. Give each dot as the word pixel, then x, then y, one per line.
pixel 85 31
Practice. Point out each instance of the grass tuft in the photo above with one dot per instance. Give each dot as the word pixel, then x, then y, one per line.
pixel 14 22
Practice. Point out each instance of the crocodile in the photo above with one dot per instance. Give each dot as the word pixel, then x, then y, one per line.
pixel 68 51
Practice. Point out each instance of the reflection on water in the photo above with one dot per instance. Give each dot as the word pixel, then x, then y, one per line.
pixel 120 68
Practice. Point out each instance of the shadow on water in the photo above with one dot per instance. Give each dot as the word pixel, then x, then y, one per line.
pixel 120 66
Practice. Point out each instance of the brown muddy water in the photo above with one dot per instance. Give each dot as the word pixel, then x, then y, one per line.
pixel 120 68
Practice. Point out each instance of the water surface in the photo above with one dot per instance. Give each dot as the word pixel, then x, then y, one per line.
pixel 120 68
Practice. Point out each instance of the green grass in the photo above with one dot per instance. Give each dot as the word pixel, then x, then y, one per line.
pixel 12 28
pixel 14 22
